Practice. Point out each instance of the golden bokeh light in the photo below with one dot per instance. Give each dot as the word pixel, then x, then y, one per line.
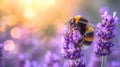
pixel 9 45
pixel 16 32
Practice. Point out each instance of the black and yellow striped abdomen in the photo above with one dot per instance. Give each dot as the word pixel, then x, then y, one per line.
pixel 89 36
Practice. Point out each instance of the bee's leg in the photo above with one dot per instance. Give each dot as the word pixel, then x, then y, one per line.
pixel 80 41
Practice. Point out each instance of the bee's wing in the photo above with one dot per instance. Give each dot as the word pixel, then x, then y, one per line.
pixel 84 47
pixel 67 27
pixel 79 43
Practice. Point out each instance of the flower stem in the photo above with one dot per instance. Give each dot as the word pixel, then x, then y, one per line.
pixel 103 61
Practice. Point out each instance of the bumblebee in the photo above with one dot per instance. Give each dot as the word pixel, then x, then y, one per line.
pixel 85 28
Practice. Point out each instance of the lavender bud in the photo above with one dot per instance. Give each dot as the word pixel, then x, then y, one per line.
pixel 105 34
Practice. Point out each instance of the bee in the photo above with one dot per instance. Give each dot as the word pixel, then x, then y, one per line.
pixel 85 28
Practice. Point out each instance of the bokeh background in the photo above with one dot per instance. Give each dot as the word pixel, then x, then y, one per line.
pixel 31 28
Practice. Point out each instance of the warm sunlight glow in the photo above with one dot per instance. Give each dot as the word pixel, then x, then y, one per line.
pixel 50 2
pixel 28 1
pixel 33 7
pixel 29 13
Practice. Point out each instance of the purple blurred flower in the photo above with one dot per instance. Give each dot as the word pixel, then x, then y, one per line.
pixel 21 60
pixel 115 64
pixel 1 47
pixel 105 34
pixel 1 55
pixel 95 61
pixel 69 51
pixel 27 63
pixel 35 64
pixel 51 60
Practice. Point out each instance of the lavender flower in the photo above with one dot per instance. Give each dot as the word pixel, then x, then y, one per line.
pixel 105 34
pixel 69 41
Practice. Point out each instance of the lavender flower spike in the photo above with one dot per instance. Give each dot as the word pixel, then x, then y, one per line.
pixel 105 34
pixel 69 41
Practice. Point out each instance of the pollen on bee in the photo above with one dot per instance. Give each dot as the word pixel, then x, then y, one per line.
pixel 77 18
pixel 89 38
pixel 90 29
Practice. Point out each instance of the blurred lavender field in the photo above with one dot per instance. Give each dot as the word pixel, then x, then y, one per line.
pixel 30 31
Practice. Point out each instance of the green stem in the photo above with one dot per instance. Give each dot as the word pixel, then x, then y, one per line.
pixel 103 61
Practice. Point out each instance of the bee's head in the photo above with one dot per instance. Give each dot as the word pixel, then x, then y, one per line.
pixel 74 21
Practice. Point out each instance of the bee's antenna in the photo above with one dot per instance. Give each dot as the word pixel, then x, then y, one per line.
pixel 66 22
